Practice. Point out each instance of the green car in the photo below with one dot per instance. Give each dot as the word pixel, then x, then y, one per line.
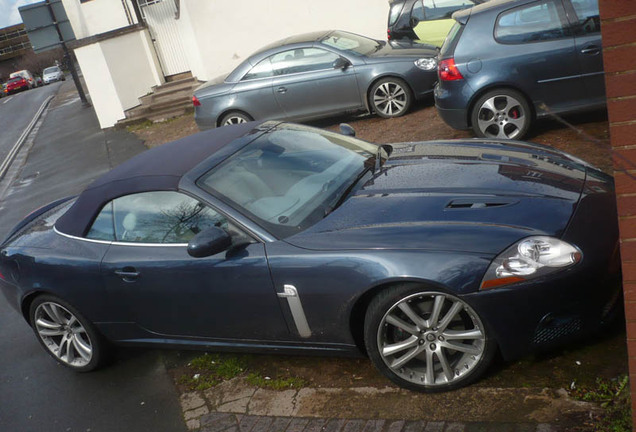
pixel 424 21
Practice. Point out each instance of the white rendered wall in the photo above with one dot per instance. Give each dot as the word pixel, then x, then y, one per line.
pixel 219 35
pixel 96 16
pixel 118 72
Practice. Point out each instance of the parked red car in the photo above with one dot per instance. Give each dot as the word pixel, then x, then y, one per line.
pixel 16 84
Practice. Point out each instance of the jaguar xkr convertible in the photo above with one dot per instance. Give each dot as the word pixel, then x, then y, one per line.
pixel 428 257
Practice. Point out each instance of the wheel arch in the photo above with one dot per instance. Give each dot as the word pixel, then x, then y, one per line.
pixel 502 86
pixel 228 111
pixel 359 309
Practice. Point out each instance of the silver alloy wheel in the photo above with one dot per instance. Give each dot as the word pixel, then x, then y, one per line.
pixel 502 116
pixel 234 119
pixel 63 334
pixel 431 339
pixel 390 99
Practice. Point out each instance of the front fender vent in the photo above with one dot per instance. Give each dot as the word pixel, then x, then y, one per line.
pixel 471 203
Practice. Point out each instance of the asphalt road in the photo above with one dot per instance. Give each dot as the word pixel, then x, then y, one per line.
pixel 36 394
pixel 16 111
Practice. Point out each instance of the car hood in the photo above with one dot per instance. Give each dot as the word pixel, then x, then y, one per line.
pixel 410 50
pixel 475 196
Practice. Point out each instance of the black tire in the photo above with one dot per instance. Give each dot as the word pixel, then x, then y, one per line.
pixel 501 113
pixel 418 356
pixel 235 117
pixel 390 97
pixel 66 334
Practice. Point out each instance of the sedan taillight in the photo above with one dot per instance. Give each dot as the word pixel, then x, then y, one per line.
pixel 447 70
pixel 195 101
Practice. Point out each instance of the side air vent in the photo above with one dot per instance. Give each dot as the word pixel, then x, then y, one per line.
pixel 470 203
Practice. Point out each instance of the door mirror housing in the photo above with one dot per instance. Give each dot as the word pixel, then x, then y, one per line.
pixel 209 242
pixel 341 63
pixel 347 130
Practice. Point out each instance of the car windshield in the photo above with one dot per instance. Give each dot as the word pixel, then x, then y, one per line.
pixel 51 69
pixel 14 80
pixel 351 42
pixel 290 178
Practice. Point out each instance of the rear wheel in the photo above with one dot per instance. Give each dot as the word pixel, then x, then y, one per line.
pixel 235 117
pixel 66 335
pixel 426 340
pixel 501 113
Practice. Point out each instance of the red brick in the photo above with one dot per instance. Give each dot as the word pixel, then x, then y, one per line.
pixel 629 290
pixel 621 110
pixel 622 84
pixel 626 205
pixel 620 59
pixel 631 333
pixel 618 32
pixel 630 314
pixel 624 183
pixel 624 159
pixel 629 276
pixel 627 227
pixel 616 8
pixel 628 251
pixel 623 135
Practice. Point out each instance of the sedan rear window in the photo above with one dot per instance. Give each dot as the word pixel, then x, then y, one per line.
pixel 534 22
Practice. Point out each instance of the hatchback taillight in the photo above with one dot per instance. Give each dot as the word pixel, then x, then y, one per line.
pixel 447 70
pixel 195 101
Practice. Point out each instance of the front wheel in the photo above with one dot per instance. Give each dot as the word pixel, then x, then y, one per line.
pixel 66 335
pixel 390 97
pixel 501 113
pixel 426 340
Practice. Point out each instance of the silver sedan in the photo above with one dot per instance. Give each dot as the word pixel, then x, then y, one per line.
pixel 318 75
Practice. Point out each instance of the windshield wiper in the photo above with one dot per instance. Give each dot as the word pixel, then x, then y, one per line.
pixel 341 198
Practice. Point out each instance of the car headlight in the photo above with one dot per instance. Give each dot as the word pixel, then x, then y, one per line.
pixel 530 258
pixel 426 64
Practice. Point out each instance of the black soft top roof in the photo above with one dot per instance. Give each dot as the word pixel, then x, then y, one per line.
pixel 160 168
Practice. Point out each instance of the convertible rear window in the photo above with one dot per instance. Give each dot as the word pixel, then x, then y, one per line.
pixel 289 178
pixel 154 217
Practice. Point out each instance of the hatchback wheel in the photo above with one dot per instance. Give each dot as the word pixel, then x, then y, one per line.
pixel 67 336
pixel 426 340
pixel 390 97
pixel 235 118
pixel 501 113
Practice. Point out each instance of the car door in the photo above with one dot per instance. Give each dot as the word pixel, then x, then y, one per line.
pixel 166 291
pixel 538 53
pixel 584 16
pixel 306 83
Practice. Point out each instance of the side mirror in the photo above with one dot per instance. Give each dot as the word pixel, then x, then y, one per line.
pixel 209 242
pixel 341 63
pixel 347 130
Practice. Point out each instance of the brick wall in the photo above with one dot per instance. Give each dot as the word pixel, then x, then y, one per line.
pixel 619 56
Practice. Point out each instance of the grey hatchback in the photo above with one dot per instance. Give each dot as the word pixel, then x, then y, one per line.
pixel 319 75
pixel 505 63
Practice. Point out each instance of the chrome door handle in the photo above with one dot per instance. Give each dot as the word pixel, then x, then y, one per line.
pixel 127 274
pixel 282 90
pixel 593 49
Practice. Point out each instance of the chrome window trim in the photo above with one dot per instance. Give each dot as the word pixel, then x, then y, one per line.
pixel 118 243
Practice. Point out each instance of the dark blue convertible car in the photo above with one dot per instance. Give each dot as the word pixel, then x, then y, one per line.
pixel 428 257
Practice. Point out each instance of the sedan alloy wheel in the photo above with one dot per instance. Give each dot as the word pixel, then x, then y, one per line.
pixel 66 335
pixel 501 114
pixel 235 118
pixel 426 341
pixel 390 97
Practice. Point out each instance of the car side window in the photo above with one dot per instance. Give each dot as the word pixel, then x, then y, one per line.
pixel 588 17
pixel 418 11
pixel 302 60
pixel 443 9
pixel 155 217
pixel 534 22
pixel 263 69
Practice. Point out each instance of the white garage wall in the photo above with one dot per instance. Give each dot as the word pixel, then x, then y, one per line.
pixel 218 35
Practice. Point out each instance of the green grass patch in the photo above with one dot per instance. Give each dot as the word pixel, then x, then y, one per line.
pixel 258 380
pixel 614 397
pixel 209 370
